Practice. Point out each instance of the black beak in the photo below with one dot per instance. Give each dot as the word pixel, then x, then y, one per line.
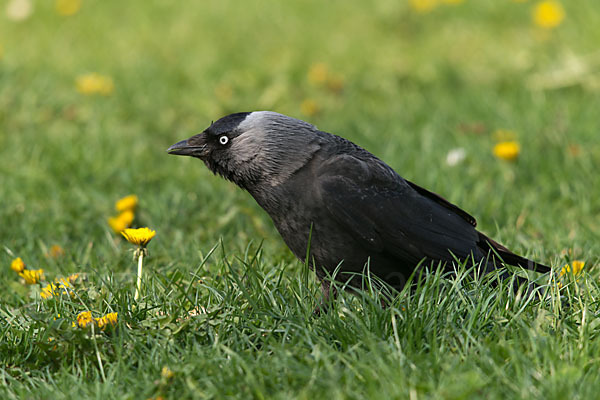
pixel 194 146
pixel 181 149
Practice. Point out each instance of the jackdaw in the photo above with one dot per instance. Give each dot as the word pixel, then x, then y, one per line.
pixel 353 206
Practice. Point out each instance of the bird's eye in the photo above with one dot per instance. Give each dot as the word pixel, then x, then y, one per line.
pixel 223 140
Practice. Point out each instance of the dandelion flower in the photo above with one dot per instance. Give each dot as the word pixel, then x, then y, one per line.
pixel 576 267
pixel 423 6
pixel 84 319
pixel 140 236
pixel 72 278
pixel 55 251
pixel 309 107
pixel 548 14
pixel 101 322
pixel 63 282
pixel 32 276
pixel 62 285
pixel 318 73
pixel 49 290
pixel 107 320
pixel 67 8
pixel 127 203
pixel 111 317
pixel 166 373
pixel 121 222
pixel 17 265
pixel 507 150
pixel 94 83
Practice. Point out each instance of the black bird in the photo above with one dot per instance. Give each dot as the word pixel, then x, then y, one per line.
pixel 353 206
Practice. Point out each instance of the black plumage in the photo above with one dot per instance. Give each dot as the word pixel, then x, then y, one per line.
pixel 353 206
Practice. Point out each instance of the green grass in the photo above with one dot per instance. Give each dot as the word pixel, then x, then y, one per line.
pixel 226 307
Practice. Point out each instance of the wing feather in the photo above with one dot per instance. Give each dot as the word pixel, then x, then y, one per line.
pixel 385 213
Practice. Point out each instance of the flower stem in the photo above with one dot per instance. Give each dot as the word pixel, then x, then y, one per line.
pixel 138 287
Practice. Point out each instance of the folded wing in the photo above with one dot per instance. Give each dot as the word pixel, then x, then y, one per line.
pixel 386 214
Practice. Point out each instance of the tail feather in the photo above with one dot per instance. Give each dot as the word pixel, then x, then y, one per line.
pixel 508 257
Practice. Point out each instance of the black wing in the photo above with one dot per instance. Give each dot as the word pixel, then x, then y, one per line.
pixel 485 244
pixel 443 202
pixel 386 214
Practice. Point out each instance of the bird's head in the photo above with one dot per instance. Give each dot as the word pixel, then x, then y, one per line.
pixel 251 148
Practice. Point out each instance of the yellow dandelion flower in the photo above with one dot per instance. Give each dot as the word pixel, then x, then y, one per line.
pixel 107 320
pixel 111 317
pixel 63 283
pixel 423 6
pixel 122 221
pixel 548 14
pixel 166 373
pixel 318 73
pixel 140 236
pixel 84 319
pixel 72 278
pixel 575 266
pixel 67 7
pixel 17 265
pixel 507 150
pixel 48 291
pixel 309 107
pixel 100 322
pixel 55 251
pixel 32 276
pixel 127 203
pixel 94 83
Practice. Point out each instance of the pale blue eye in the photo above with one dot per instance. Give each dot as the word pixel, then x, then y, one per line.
pixel 223 140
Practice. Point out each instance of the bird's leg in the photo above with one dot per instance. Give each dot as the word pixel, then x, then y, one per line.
pixel 329 293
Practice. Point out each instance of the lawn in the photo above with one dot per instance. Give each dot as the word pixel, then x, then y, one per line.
pixel 92 94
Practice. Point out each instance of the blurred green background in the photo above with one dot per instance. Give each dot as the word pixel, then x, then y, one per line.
pixel 93 92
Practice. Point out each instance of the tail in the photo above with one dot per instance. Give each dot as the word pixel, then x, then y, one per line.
pixel 496 250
